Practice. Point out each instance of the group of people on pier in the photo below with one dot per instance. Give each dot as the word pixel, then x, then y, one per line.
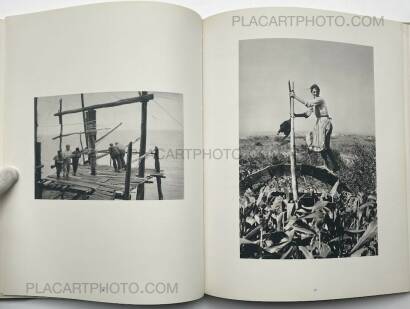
pixel 117 154
pixel 64 159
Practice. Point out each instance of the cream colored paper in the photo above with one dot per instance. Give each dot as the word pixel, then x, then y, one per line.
pixel 126 46
pixel 406 86
pixel 229 276
pixel 2 55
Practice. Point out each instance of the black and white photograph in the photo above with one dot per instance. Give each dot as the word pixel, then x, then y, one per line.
pixel 307 170
pixel 109 146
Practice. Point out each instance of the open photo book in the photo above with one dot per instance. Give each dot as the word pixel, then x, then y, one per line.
pixel 260 154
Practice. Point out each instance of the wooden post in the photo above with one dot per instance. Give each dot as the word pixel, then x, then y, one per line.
pixel 158 170
pixel 82 149
pixel 60 121
pixel 91 137
pixel 84 121
pixel 143 141
pixel 39 166
pixel 35 121
pixel 85 129
pixel 292 146
pixel 126 195
pixel 37 157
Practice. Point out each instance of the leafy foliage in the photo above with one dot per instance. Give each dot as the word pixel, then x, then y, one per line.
pixel 326 222
pixel 360 174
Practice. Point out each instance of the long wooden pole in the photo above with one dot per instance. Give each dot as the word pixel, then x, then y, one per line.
pixel 126 195
pixel 91 137
pixel 79 133
pixel 143 141
pixel 292 146
pixel 109 132
pixel 35 120
pixel 143 98
pixel 85 126
pixel 158 170
pixel 60 120
pixel 37 154
pixel 82 149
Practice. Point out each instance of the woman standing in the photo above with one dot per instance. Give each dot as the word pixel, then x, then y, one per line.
pixel 322 130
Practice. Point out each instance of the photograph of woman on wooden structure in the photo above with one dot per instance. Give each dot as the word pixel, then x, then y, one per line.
pixel 318 139
pixel 109 146
pixel 307 172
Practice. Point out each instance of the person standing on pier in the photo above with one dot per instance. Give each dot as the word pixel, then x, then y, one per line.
pixel 121 157
pixel 58 162
pixel 76 155
pixel 322 130
pixel 114 154
pixel 67 160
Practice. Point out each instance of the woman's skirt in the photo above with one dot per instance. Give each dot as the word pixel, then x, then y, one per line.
pixel 319 138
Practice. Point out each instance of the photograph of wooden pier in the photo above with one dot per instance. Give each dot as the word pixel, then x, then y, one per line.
pixel 109 146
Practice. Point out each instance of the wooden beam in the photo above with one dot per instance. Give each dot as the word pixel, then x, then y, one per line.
pixel 74 133
pixel 292 146
pixel 60 121
pixel 91 137
pixel 143 99
pixel 37 154
pixel 85 126
pixel 143 141
pixel 82 149
pixel 126 195
pixel 109 132
pixel 35 120
pixel 158 170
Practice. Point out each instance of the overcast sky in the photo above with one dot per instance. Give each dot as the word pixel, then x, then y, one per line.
pixel 344 73
pixel 165 112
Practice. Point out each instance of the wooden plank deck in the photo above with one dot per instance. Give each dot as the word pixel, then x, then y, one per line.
pixel 99 187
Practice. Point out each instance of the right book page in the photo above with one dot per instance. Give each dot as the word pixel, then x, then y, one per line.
pixel 309 207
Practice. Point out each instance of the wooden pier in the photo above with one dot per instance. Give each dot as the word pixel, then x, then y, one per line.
pixel 93 181
pixel 106 185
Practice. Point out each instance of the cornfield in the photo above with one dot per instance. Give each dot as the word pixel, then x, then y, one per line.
pixel 327 222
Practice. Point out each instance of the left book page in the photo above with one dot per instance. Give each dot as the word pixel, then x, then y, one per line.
pixel 2 56
pixel 100 103
pixel 1 98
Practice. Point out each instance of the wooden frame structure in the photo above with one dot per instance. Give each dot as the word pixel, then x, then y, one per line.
pixel 292 144
pixel 89 114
